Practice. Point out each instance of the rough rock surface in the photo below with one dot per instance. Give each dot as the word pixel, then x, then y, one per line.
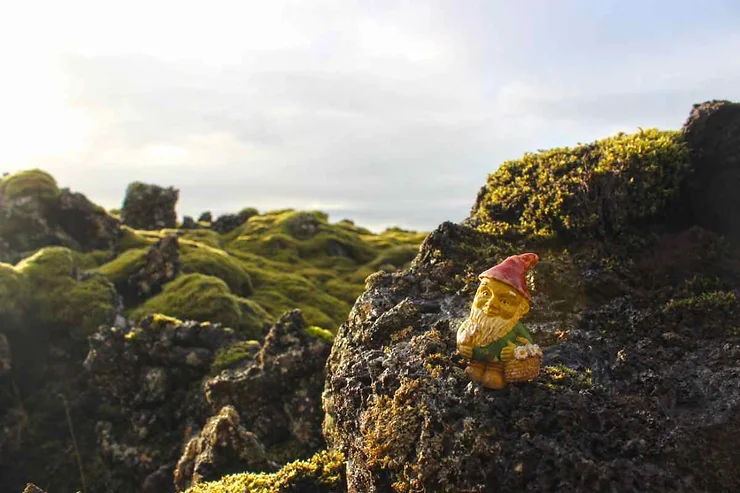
pixel 713 132
pixel 149 206
pixel 278 393
pixel 223 447
pixel 229 222
pixel 160 266
pixel 629 398
pixel 148 380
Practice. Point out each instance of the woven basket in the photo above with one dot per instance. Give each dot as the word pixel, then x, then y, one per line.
pixel 522 370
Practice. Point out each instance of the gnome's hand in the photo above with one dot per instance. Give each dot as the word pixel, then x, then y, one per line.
pixel 507 353
pixel 465 351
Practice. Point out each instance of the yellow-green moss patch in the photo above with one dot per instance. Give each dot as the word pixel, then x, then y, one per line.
pixel 204 298
pixel 598 189
pixel 58 300
pixel 322 473
pixel 32 182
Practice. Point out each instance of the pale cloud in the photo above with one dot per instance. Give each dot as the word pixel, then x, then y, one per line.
pixel 383 112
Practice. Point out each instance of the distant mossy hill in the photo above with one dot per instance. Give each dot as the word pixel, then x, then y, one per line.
pixel 244 278
pixel 274 262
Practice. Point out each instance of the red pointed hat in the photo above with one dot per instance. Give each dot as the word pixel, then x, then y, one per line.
pixel 513 272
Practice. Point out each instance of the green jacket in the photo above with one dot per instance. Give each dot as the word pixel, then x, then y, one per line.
pixel 493 350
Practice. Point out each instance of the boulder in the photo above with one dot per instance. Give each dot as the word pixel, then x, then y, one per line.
pixel 140 274
pixel 188 223
pixel 713 133
pixel 229 222
pixel 147 380
pixel 278 393
pixel 35 213
pixel 619 404
pixel 223 447
pixel 149 206
pixel 206 217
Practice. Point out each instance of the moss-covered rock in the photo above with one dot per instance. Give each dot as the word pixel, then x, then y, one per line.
pixel 205 298
pixel 35 213
pixel 595 190
pixel 219 264
pixel 61 298
pixel 31 183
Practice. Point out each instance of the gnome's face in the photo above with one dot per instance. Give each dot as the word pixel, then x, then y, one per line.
pixel 497 299
pixel 497 307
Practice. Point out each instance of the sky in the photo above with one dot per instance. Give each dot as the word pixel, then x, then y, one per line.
pixel 387 113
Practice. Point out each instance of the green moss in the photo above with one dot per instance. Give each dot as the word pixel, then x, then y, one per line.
pixel 322 473
pixel 123 266
pixel 132 238
pixel 14 297
pixel 229 356
pixel 319 333
pixel 202 236
pixel 396 256
pixel 600 189
pixel 217 263
pixel 204 298
pixel 33 182
pixel 345 290
pixel 60 301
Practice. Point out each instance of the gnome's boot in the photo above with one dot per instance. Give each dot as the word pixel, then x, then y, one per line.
pixel 489 374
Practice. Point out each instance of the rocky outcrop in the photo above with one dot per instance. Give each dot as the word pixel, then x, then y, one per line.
pixel 278 393
pixel 713 133
pixel 160 265
pixel 640 388
pixel 188 223
pixel 148 379
pixel 228 222
pixel 35 213
pixel 223 447
pixel 263 399
pixel 149 206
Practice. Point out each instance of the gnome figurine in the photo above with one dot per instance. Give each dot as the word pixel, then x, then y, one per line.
pixel 498 347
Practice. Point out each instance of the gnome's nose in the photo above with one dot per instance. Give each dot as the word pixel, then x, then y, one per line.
pixel 491 307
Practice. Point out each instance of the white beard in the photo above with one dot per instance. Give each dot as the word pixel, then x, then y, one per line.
pixel 480 330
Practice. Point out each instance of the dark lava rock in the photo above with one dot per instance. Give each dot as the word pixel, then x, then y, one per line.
pixel 148 380
pixel 88 224
pixel 188 223
pixel 278 393
pixel 619 405
pixel 713 133
pixel 34 213
pixel 149 206
pixel 229 222
pixel 224 446
pixel 160 266
pixel 206 217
